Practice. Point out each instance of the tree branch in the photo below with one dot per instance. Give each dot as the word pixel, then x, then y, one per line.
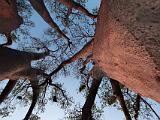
pixel 83 52
pixel 117 91
pixel 150 107
pixel 87 107
pixel 40 7
pixel 62 91
pixel 71 4
pixel 9 39
pixel 137 106
pixel 86 110
pixel 7 90
pixel 35 89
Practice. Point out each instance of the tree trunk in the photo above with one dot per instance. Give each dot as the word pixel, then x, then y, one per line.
pixel 9 18
pixel 127 44
pixel 35 90
pixel 117 91
pixel 7 90
pixel 87 108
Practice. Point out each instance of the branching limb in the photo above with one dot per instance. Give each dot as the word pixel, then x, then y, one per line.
pixel 40 7
pixel 7 90
pixel 71 4
pixel 117 91
pixel 62 91
pixel 83 52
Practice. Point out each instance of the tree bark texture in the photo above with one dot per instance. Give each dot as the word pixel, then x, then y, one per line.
pixel 127 44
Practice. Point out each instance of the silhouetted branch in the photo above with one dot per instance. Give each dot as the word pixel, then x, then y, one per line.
pixel 7 90
pixel 62 91
pixel 72 4
pixel 87 107
pixel 83 52
pixel 137 106
pixel 117 91
pixel 36 90
pixel 40 7
pixel 150 107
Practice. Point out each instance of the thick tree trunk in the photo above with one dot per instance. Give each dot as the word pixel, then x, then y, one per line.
pixel 127 44
pixel 9 18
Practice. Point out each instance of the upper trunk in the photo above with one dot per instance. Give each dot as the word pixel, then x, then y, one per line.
pixel 9 18
pixel 127 44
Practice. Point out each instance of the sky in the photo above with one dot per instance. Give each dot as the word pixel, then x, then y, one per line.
pixel 52 111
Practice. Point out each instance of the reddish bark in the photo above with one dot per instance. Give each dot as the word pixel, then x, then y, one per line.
pixel 127 44
pixel 9 18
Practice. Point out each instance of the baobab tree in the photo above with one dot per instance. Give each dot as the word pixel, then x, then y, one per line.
pixel 125 49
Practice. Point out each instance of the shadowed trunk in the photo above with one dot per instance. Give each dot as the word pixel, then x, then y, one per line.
pixel 137 106
pixel 7 90
pixel 35 89
pixel 117 91
pixel 87 108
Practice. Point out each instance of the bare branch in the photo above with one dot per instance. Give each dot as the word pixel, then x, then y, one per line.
pixel 150 107
pixel 40 7
pixel 72 4
pixel 83 52
pixel 62 91
pixel 7 90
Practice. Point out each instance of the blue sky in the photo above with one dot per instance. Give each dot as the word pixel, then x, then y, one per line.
pixel 53 112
